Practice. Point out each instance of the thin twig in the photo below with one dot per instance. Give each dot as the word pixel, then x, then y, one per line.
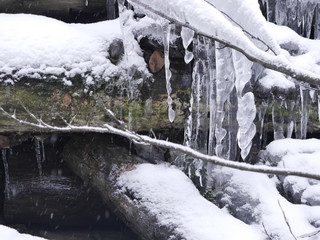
pixel 265 230
pixel 287 221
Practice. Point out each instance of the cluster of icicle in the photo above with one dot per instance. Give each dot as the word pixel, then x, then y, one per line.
pixel 301 16
pixel 224 119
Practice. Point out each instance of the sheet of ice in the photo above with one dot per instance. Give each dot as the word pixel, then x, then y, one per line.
pixel 7 233
pixel 172 198
pixel 33 46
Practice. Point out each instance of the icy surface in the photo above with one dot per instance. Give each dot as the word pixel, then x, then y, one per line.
pixel 170 196
pixel 7 233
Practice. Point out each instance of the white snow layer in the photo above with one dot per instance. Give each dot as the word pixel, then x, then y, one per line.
pixel 7 233
pixel 302 155
pixel 33 45
pixel 171 196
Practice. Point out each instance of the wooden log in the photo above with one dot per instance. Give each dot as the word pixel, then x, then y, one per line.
pixel 98 161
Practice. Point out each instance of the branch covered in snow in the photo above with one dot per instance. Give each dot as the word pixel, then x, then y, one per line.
pixel 206 20
pixel 166 144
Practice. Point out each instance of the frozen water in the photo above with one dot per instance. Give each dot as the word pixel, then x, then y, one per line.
pixel 166 44
pixel 38 154
pixel 246 104
pixel 187 37
pixel 6 172
pixel 224 86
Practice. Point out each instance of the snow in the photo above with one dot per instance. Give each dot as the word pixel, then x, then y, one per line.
pixel 7 233
pixel 297 154
pixel 171 196
pixel 253 198
pixel 33 46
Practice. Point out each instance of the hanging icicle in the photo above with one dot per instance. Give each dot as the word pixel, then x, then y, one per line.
pixel 246 105
pixel 166 45
pixel 38 154
pixel 6 173
pixel 187 37
pixel 224 87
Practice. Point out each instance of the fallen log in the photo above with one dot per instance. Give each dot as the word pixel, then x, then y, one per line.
pixel 99 162
pixel 157 202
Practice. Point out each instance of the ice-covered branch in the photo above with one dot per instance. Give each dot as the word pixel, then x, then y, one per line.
pixel 205 20
pixel 168 145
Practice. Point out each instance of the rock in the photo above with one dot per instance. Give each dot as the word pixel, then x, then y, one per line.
pixel 116 50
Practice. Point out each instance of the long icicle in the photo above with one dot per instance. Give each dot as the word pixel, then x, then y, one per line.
pixel 6 173
pixel 166 44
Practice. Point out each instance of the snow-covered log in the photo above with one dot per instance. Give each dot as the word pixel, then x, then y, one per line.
pixel 158 202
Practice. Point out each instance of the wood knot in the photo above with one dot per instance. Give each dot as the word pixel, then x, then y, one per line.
pixel 156 61
pixel 67 100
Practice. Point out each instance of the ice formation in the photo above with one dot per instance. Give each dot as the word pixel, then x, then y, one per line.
pixel 223 114
pixel 301 16
pixel 40 153
pixel 6 172
pixel 166 44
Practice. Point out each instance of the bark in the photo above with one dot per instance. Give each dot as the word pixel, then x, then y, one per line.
pixel 99 162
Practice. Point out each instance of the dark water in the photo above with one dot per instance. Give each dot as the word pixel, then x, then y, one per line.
pixel 84 234
pixel 57 205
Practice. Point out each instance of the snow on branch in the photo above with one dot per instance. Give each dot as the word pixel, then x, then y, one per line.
pixel 107 128
pixel 208 21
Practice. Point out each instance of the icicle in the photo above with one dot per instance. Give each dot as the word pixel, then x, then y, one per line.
pixel 43 151
pixel 304 111
pixel 246 105
pixel 196 131
pixel 38 154
pixel 277 120
pixel 224 86
pixel 319 105
pixel 261 117
pixel 6 173
pixel 187 37
pixel 166 44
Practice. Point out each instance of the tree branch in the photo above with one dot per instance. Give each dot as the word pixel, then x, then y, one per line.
pixel 169 145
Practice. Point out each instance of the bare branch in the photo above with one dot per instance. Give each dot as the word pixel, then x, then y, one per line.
pixel 170 145
pixel 308 235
